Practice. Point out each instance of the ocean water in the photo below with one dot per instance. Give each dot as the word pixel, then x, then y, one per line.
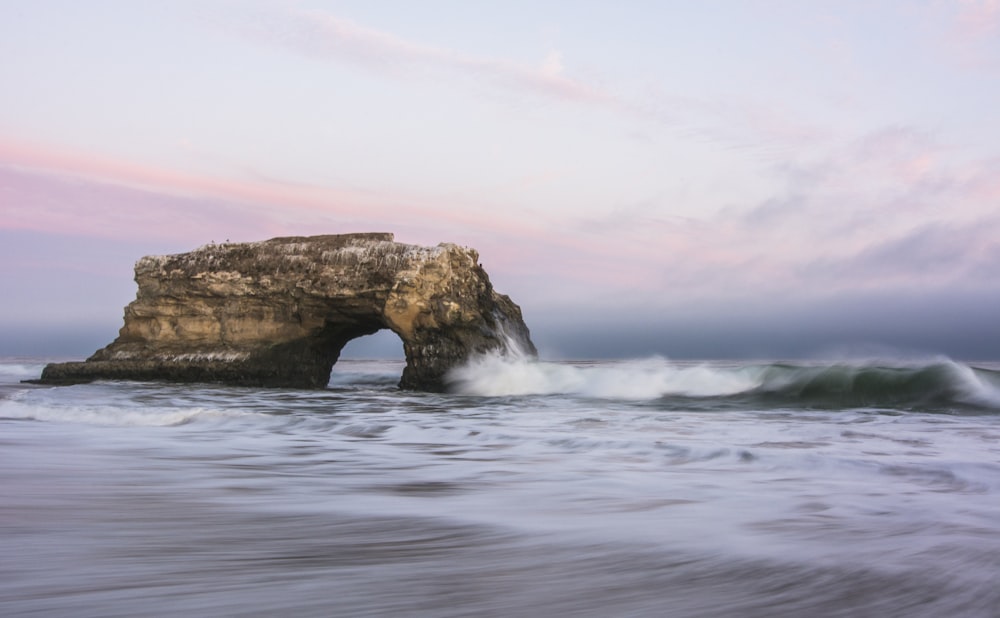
pixel 632 488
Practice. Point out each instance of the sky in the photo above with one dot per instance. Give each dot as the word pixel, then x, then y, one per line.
pixel 712 179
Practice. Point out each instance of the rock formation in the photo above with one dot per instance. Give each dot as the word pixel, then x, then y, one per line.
pixel 278 313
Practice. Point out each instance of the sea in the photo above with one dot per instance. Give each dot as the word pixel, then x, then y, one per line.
pixel 645 487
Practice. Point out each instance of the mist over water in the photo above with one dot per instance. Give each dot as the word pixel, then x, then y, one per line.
pixel 644 487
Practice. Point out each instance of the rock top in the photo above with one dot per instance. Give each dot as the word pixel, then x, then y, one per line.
pixel 277 313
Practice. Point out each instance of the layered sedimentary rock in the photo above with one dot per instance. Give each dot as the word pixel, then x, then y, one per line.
pixel 278 313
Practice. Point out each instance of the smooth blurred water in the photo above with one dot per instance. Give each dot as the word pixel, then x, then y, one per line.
pixel 588 489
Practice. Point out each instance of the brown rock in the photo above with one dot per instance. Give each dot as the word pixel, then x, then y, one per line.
pixel 278 312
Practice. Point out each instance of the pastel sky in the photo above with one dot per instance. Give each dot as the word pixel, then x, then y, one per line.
pixel 721 178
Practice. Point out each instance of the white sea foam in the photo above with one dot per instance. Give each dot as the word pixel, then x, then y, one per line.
pixel 14 370
pixel 25 406
pixel 976 387
pixel 498 375
pixel 105 416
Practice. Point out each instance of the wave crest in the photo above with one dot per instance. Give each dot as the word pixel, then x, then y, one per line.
pixel 930 385
pixel 498 375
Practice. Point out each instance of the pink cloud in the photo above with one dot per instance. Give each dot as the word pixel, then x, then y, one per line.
pixel 72 205
pixel 978 17
pixel 32 156
pixel 295 205
pixel 327 36
pixel 970 34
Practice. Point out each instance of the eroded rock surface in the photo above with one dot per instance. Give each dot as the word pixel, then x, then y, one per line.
pixel 278 312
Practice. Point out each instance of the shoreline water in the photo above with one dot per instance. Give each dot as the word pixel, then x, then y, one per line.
pixel 361 499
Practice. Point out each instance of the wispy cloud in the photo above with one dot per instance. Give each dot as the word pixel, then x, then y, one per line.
pixel 70 204
pixel 736 122
pixel 890 210
pixel 252 189
pixel 141 176
pixel 933 254
pixel 330 37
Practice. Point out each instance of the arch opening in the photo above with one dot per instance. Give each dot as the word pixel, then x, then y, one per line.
pixel 375 360
pixel 380 345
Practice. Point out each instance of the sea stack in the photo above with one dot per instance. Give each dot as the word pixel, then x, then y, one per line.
pixel 277 313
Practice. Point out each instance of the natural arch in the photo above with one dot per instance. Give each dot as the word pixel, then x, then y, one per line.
pixel 278 313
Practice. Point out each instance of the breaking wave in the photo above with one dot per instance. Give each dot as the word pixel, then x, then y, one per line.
pixel 495 375
pixel 941 384
pixel 14 370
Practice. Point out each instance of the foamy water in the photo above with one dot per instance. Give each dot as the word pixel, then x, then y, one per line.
pixel 650 378
pixel 644 487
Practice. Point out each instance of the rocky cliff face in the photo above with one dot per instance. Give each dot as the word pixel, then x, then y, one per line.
pixel 278 312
